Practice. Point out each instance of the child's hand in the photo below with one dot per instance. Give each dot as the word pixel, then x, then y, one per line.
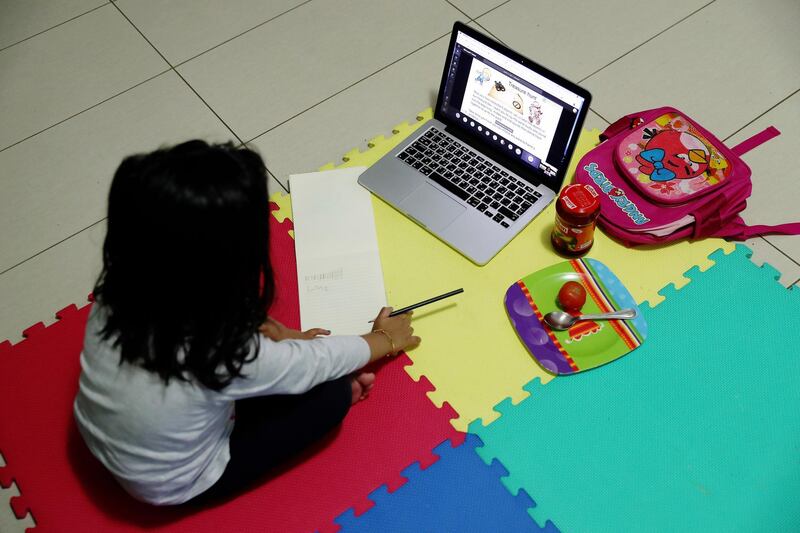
pixel 272 329
pixel 391 335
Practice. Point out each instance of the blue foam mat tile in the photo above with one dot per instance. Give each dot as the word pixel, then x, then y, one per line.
pixel 696 430
pixel 456 493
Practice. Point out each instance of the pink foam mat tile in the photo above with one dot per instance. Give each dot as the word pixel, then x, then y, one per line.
pixel 66 489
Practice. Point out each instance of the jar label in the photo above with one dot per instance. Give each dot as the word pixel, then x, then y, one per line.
pixel 573 238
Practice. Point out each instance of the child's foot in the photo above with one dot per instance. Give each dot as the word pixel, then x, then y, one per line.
pixel 361 385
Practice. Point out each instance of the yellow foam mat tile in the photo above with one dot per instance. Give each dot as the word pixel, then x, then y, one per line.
pixel 469 350
pixel 9 523
pixel 284 209
pixel 284 203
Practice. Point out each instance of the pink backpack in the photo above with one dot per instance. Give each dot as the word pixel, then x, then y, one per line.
pixel 663 177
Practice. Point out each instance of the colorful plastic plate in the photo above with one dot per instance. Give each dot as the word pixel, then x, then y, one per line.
pixel 587 344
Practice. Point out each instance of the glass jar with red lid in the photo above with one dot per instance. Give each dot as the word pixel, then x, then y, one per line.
pixel 577 209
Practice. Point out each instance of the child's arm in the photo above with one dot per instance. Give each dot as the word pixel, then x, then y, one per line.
pixel 293 366
pixel 272 329
pixel 390 335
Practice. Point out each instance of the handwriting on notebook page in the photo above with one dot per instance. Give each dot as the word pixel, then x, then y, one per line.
pixel 322 282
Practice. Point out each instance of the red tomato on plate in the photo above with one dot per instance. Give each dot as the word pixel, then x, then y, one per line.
pixel 572 296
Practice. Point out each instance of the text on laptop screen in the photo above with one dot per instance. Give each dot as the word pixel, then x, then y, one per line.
pixel 510 106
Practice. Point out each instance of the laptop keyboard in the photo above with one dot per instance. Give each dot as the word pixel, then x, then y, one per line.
pixel 470 176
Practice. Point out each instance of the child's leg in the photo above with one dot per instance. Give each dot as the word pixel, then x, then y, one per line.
pixel 269 430
pixel 361 384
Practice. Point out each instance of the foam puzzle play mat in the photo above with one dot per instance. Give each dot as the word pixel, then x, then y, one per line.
pixel 687 422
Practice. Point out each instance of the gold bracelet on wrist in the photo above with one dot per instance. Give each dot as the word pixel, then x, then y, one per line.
pixel 388 337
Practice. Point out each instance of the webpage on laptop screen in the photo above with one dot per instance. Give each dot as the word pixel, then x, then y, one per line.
pixel 509 105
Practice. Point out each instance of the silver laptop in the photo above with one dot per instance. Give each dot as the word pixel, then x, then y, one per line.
pixel 495 154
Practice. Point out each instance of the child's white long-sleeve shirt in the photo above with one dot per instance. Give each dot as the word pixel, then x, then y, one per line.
pixel 166 444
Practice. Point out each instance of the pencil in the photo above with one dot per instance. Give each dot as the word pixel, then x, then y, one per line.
pixel 426 302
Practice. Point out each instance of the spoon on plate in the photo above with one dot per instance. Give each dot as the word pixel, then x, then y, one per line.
pixel 561 320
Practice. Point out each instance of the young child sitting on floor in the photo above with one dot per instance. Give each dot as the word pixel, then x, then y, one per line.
pixel 188 390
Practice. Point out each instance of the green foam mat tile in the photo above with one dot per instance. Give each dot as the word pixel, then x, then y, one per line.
pixel 697 430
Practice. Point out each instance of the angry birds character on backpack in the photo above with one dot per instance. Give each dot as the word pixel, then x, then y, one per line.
pixel 671 154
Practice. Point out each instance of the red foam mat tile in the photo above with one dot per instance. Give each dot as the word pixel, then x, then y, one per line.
pixel 285 304
pixel 66 489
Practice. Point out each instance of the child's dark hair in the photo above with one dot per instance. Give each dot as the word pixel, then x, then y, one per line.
pixel 186 277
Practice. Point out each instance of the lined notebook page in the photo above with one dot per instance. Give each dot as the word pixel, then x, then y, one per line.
pixel 339 277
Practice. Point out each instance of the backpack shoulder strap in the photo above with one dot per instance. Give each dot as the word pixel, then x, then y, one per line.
pixel 625 123
pixel 738 230
pixel 632 121
pixel 754 141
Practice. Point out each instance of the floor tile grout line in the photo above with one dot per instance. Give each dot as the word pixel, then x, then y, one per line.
pixel 340 91
pixel 762 114
pixel 451 4
pixel 496 38
pixel 763 237
pixel 40 252
pixel 273 176
pixel 475 18
pixel 787 256
pixel 270 175
pixel 647 40
pixel 484 28
pixel 176 72
pixel 136 85
pixel 498 6
pixel 593 110
pixel 54 26
pixel 208 106
pixel 183 62
pixel 101 102
pixel 374 73
pixel 315 105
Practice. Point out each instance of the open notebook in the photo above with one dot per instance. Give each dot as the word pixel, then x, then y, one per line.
pixel 339 277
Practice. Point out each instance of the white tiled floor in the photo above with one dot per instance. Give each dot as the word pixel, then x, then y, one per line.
pixel 85 82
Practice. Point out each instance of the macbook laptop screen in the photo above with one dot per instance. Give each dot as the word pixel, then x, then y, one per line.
pixel 512 108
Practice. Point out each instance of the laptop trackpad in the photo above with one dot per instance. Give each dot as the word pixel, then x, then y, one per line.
pixel 431 207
